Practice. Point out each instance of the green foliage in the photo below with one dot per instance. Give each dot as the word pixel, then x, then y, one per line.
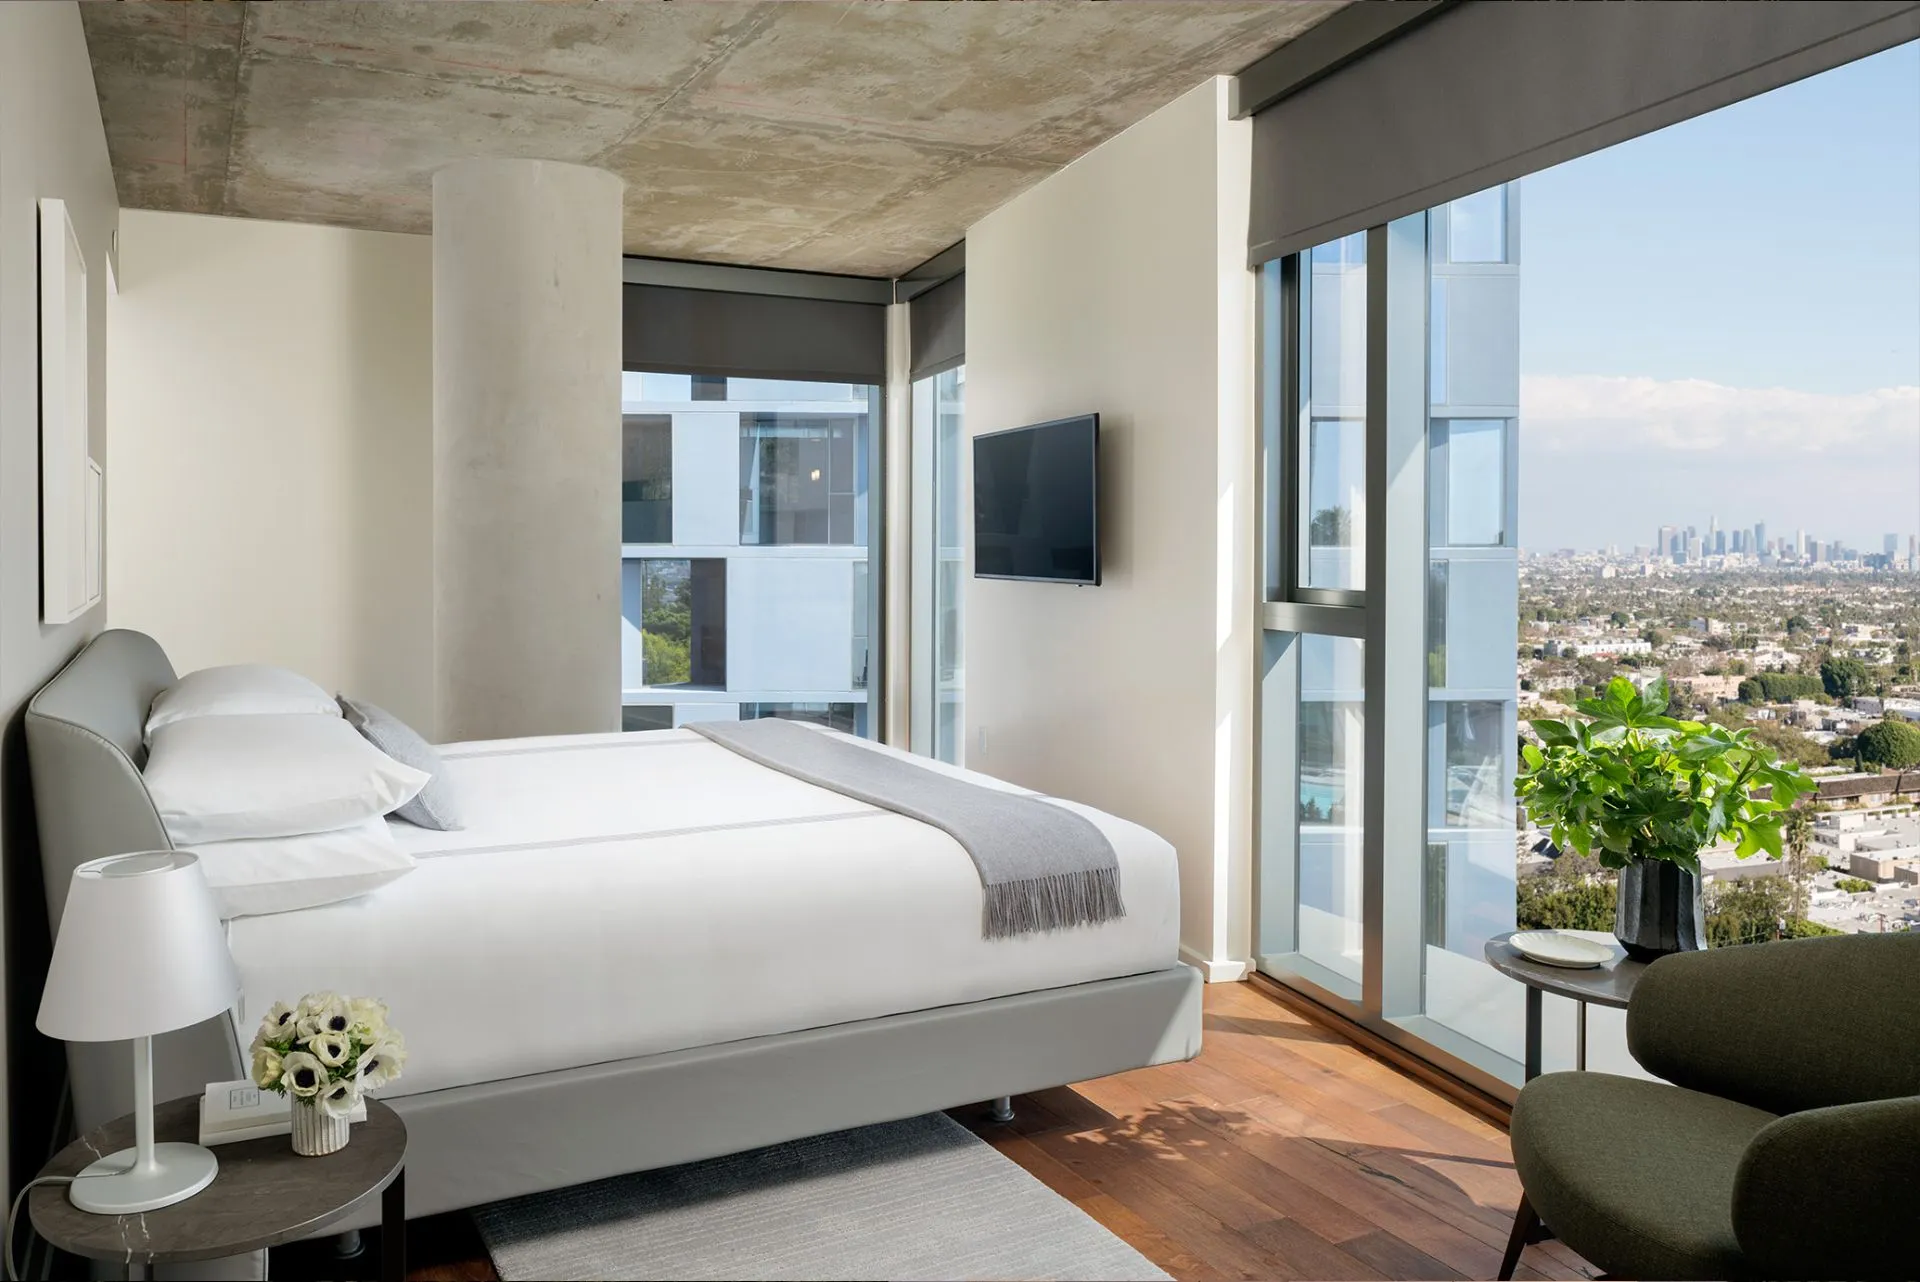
pixel 1801 928
pixel 1854 885
pixel 1619 618
pixel 1625 781
pixel 1799 623
pixel 1787 743
pixel 1890 743
pixel 1747 912
pixel 1550 903
pixel 1330 527
pixel 1779 687
pixel 665 662
pixel 1843 676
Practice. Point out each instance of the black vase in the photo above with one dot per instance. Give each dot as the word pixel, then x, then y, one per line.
pixel 1659 910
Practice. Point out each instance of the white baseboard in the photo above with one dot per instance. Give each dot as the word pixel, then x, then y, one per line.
pixel 1215 971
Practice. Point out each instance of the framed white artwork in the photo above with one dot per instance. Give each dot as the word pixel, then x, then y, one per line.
pixel 72 485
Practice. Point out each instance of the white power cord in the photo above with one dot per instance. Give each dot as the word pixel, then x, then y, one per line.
pixel 13 1274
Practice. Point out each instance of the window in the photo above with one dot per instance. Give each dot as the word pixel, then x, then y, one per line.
pixel 939 439
pixel 680 610
pixel 803 480
pixel 1475 227
pixel 1332 709
pixel 1332 501
pixel 747 544
pixel 646 478
pixel 835 716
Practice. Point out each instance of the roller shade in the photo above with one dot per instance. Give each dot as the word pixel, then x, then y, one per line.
pixel 937 323
pixel 697 331
pixel 1484 93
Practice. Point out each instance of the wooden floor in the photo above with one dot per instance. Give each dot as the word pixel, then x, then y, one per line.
pixel 1284 1151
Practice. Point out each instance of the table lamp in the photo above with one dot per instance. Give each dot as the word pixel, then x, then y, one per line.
pixel 140 952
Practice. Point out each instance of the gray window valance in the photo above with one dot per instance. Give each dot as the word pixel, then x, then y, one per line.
pixel 937 324
pixel 1483 93
pixel 667 329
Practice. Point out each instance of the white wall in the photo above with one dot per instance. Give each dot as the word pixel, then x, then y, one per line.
pixel 1119 285
pixel 270 400
pixel 51 144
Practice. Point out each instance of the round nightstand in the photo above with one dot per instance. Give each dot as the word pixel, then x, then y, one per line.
pixel 264 1195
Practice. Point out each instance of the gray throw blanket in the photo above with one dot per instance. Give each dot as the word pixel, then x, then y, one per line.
pixel 1042 866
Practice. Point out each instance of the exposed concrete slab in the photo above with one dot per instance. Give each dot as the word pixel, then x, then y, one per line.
pixel 857 137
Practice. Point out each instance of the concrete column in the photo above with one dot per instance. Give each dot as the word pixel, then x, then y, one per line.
pixel 526 448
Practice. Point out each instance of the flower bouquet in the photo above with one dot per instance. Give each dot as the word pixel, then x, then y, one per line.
pixel 325 1053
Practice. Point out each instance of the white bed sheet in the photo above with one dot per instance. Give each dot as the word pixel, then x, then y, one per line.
pixel 629 894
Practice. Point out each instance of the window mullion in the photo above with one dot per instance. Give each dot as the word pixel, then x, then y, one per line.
pixel 1395 739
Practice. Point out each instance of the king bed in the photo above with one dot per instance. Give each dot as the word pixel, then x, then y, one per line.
pixel 640 950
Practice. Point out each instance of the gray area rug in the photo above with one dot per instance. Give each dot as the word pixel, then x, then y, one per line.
pixel 921 1198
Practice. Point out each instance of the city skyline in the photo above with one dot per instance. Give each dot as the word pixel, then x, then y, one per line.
pixel 1700 334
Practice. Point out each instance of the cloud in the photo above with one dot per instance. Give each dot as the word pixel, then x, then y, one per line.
pixel 1608 460
pixel 1586 412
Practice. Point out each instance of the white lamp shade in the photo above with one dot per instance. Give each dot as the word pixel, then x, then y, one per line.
pixel 140 952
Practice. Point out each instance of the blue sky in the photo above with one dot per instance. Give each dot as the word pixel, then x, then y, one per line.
pixel 1731 301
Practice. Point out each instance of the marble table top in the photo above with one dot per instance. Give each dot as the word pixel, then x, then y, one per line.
pixel 265 1193
pixel 1608 984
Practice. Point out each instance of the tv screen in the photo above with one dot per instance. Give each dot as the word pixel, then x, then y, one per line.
pixel 1036 502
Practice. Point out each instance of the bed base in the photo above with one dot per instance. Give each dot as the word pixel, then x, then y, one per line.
pixel 469 1145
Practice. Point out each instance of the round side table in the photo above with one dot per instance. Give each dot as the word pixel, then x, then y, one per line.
pixel 1608 984
pixel 265 1195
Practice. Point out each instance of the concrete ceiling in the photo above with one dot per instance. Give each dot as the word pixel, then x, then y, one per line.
pixel 841 137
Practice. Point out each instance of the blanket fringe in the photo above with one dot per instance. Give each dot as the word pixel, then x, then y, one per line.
pixel 1084 898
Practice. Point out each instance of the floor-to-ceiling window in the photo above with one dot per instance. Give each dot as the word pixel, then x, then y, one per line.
pixel 747 532
pixel 1608 420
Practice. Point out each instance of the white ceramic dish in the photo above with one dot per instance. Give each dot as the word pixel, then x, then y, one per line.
pixel 1557 948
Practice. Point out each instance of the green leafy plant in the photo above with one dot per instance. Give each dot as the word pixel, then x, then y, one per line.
pixel 1624 781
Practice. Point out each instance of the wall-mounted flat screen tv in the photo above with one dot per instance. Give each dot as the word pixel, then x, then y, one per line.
pixel 1036 508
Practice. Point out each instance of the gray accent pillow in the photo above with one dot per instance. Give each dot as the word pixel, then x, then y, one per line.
pixel 436 806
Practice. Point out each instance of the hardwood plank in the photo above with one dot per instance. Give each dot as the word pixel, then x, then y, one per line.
pixel 1310 1255
pixel 1394 1258
pixel 1145 1238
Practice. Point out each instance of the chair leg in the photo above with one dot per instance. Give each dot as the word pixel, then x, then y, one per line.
pixel 1525 1221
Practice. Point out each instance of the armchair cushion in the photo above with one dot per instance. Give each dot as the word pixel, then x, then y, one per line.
pixel 1636 1176
pixel 1803 1023
pixel 1861 1160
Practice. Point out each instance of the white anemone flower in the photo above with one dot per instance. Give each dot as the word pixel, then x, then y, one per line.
pixel 302 1074
pixel 331 1049
pixel 381 1063
pixel 339 1098
pixel 323 1013
pixel 266 1067
pixel 281 1022
pixel 368 1018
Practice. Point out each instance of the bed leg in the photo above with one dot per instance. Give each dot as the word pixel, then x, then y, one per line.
pixel 1002 1109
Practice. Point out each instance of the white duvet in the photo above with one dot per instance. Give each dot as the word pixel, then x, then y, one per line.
pixel 628 894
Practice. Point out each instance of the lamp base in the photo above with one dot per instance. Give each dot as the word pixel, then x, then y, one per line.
pixel 113 1185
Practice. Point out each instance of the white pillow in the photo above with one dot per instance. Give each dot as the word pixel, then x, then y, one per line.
pixel 280 874
pixel 237 690
pixel 232 778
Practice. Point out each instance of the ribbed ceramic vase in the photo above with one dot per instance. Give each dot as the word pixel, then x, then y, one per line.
pixel 1659 910
pixel 316 1132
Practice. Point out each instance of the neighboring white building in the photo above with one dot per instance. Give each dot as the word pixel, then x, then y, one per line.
pixel 745 546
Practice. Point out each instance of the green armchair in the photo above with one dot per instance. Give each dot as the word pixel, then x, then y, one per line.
pixel 1783 1142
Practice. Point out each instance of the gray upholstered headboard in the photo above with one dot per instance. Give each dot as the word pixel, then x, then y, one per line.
pixel 85 752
